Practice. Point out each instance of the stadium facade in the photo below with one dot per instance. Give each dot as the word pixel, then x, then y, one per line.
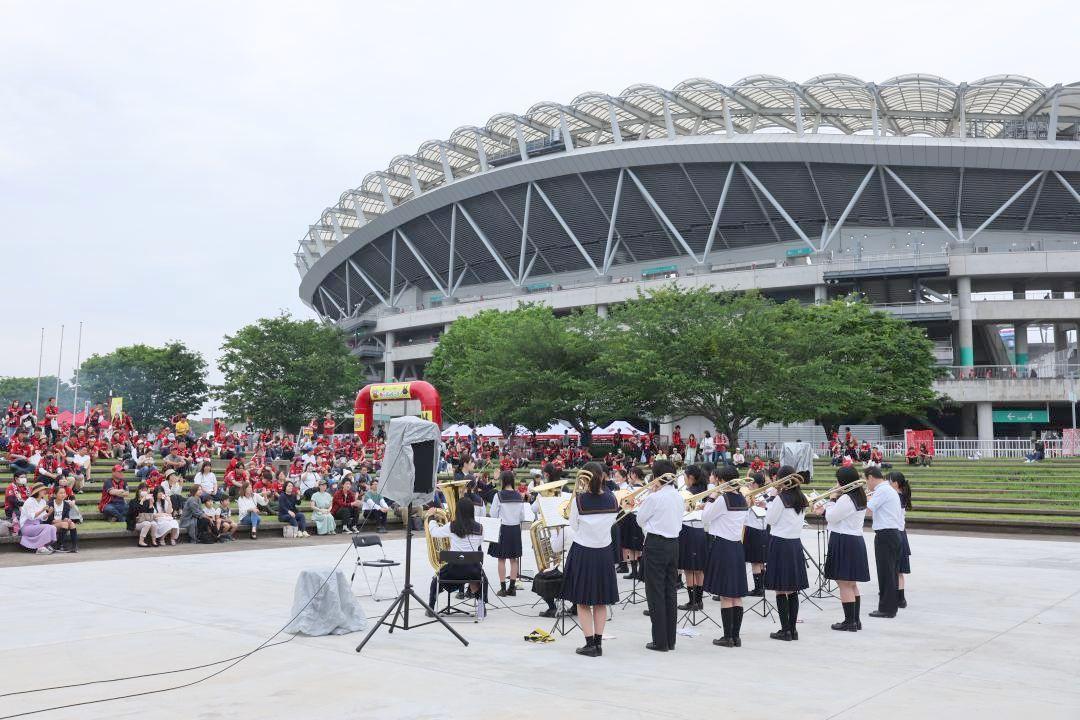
pixel 953 205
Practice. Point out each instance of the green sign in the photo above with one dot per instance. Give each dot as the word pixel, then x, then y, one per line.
pixel 1021 416
pixel 798 252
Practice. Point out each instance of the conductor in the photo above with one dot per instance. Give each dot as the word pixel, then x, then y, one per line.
pixel 660 516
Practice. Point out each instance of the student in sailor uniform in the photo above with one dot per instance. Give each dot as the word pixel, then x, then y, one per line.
pixel 903 488
pixel 756 539
pixel 725 573
pixel 509 507
pixel 785 570
pixel 693 547
pixel 630 536
pixel 846 562
pixel 466 535
pixel 589 580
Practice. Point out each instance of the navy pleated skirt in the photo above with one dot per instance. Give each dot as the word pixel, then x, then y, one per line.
pixel 509 545
pixel 725 573
pixel 630 535
pixel 756 544
pixel 693 548
pixel 785 568
pixel 905 554
pixel 589 576
pixel 847 558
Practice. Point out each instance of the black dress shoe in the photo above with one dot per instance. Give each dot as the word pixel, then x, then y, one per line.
pixel 550 613
pixel 879 614
pixel 901 604
pixel 645 613
pixel 728 642
pixel 654 646
pixel 844 626
pixel 781 635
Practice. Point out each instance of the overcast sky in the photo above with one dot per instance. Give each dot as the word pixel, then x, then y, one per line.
pixel 159 161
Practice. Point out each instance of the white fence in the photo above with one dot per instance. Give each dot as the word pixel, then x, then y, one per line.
pixel 1017 448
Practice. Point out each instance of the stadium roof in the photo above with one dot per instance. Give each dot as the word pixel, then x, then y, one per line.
pixel 1000 106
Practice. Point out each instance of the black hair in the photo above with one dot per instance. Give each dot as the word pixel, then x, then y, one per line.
pixel 464 523
pixel 662 467
pixel 693 472
pixel 847 475
pixel 905 488
pixel 725 472
pixel 551 472
pixel 507 479
pixel 792 497
pixel 873 472
pixel 638 473
pixel 758 478
pixel 707 468
pixel 597 471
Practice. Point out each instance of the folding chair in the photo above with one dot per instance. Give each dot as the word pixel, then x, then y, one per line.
pixel 451 557
pixel 383 564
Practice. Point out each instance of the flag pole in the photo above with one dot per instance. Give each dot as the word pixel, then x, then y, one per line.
pixel 78 361
pixel 41 356
pixel 59 358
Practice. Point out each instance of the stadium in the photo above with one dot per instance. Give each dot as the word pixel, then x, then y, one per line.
pixel 953 205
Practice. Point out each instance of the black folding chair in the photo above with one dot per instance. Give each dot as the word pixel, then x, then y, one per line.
pixel 381 563
pixel 454 557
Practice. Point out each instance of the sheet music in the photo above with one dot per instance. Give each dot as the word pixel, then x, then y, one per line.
pixel 551 509
pixel 692 516
pixel 759 512
pixel 491 528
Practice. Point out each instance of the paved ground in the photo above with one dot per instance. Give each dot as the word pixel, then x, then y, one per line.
pixel 990 633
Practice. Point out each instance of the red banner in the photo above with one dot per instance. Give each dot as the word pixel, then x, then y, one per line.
pixel 918 438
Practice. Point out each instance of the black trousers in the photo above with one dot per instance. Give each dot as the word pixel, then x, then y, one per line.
pixel 661 584
pixel 887 558
pixel 348 516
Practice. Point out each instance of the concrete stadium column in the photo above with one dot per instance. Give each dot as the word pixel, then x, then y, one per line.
pixel 601 310
pixel 1061 338
pixel 967 420
pixel 821 293
pixel 985 412
pixel 388 357
pixel 967 345
pixel 1020 340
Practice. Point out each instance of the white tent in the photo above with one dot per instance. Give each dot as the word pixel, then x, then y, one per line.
pixel 619 426
pixel 489 431
pixel 556 431
pixel 461 429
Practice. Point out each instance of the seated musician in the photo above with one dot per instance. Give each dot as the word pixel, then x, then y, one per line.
pixel 465 535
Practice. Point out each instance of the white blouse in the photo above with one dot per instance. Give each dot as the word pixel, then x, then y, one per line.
pixel 842 516
pixel 592 530
pixel 469 543
pixel 724 523
pixel 30 510
pixel 512 513
pixel 245 504
pixel 784 522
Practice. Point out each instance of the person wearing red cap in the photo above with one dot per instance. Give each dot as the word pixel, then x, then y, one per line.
pixel 113 503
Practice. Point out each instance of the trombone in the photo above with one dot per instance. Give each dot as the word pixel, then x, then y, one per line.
pixel 734 485
pixel 630 499
pixel 785 483
pixel 816 498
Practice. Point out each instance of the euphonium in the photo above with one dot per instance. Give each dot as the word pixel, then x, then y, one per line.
pixel 452 491
pixel 784 483
pixel 540 533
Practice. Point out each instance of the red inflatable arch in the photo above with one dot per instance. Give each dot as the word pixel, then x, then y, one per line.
pixel 430 403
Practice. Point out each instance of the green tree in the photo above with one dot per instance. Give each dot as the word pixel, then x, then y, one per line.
pixel 857 362
pixel 691 352
pixel 24 388
pixel 155 382
pixel 281 371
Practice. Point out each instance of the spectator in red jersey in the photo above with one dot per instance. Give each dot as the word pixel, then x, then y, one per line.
pixel 346 507
pixel 52 425
pixel 11 421
pixel 15 495
pixel 114 496
pixel 328 425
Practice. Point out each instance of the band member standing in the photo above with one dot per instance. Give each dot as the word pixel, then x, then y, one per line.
pixel 660 516
pixel 725 573
pixel 693 547
pixel 884 505
pixel 785 570
pixel 630 535
pixel 466 535
pixel 509 507
pixel 589 580
pixel 903 488
pixel 846 561
pixel 756 540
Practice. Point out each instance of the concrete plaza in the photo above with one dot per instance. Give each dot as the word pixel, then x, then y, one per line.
pixel 989 632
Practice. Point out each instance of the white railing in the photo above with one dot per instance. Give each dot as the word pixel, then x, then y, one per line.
pixel 1017 448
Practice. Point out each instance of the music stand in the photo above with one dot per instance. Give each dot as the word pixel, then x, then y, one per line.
pixel 633 597
pixel 400 605
pixel 825 587
pixel 766 607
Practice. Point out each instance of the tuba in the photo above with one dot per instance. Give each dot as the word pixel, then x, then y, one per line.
pixel 540 533
pixel 452 491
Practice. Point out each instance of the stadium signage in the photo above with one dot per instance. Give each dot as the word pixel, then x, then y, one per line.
pixel 1021 415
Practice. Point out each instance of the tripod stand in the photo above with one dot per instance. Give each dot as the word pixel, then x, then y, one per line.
pixel 565 621
pixel 808 559
pixel 762 607
pixel 825 587
pixel 400 605
pixel 633 595
pixel 695 617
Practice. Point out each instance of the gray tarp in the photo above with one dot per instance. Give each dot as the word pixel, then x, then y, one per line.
pixel 334 611
pixel 798 455
pixel 398 472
